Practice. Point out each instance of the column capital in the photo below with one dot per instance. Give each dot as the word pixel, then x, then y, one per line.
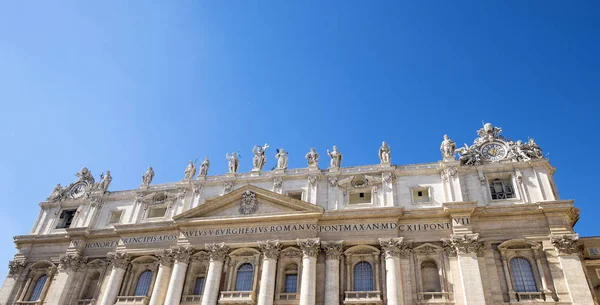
pixel 309 246
pixel 182 254
pixel 270 249
pixel 395 247
pixel 333 249
pixel 165 257
pixel 217 252
pixel 566 244
pixel 119 259
pixel 72 262
pixel 15 267
pixel 463 244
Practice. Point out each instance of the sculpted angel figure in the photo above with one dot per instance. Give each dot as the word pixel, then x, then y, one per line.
pixel 105 181
pixel 312 158
pixel 336 158
pixel 56 193
pixel 533 150
pixel 234 162
pixel 384 154
pixel 147 177
pixel 282 159
pixel 447 148
pixel 85 175
pixel 259 159
pixel 204 167
pixel 190 171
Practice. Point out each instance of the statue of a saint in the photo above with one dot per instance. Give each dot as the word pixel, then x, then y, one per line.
pixel 312 158
pixel 105 181
pixel 385 154
pixel 259 159
pixel 447 148
pixel 204 167
pixel 147 177
pixel 336 158
pixel 56 194
pixel 190 171
pixel 234 162
pixel 282 159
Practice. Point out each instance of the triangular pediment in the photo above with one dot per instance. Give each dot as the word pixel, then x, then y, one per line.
pixel 249 201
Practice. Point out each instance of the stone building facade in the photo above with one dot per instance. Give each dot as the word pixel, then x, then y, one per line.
pixel 487 227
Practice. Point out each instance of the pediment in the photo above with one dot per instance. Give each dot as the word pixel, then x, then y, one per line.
pixel 249 201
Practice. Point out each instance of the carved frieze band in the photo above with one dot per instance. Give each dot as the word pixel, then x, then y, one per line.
pixel 463 244
pixel 395 247
pixel 270 249
pixel 217 252
pixel 119 259
pixel 566 244
pixel 333 249
pixel 310 246
pixel 72 262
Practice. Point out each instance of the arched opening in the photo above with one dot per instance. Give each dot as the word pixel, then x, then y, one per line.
pixel 430 277
pixel 522 275
pixel 243 280
pixel 36 293
pixel 363 277
pixel 143 285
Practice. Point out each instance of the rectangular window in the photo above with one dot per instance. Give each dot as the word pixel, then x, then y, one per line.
pixel 115 216
pixel 295 195
pixel 501 189
pixel 594 251
pixel 199 286
pixel 65 219
pixel 157 212
pixel 358 198
pixel 291 283
pixel 421 195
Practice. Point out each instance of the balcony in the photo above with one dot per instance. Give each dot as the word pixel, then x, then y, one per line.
pixel 530 296
pixel 287 298
pixel 191 299
pixel 362 297
pixel 433 297
pixel 237 297
pixel 132 300
pixel 84 302
pixel 27 303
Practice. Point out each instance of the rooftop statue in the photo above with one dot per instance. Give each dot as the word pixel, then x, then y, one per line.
pixel 385 154
pixel 259 159
pixel 447 148
pixel 234 162
pixel 147 177
pixel 282 159
pixel 190 171
pixel 312 158
pixel 105 180
pixel 204 167
pixel 336 158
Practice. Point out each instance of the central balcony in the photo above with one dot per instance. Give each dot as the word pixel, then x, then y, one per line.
pixel 84 302
pixel 237 297
pixel 132 300
pixel 287 298
pixel 363 297
pixel 433 297
pixel 191 299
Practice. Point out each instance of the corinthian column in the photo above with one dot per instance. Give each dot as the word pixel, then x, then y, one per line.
pixel 333 251
pixel 270 250
pixel 182 258
pixel 165 258
pixel 466 247
pixel 217 254
pixel 392 248
pixel 119 262
pixel 310 250
pixel 568 249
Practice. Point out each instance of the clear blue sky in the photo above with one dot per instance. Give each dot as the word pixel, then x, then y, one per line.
pixel 122 85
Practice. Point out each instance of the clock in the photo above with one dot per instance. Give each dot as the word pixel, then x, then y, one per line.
pixel 78 190
pixel 493 151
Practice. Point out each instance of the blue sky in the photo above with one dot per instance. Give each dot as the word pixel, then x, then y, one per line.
pixel 121 85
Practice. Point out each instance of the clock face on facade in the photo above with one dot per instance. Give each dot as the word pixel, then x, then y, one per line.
pixel 78 190
pixel 493 151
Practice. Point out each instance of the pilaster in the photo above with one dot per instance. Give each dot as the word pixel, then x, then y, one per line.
pixel 568 249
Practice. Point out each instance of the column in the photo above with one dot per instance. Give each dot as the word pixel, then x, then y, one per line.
pixel 333 251
pixel 466 247
pixel 310 250
pixel 68 273
pixel 215 268
pixel 165 258
pixel 392 248
pixel 270 251
pixel 567 246
pixel 12 281
pixel 182 258
pixel 119 261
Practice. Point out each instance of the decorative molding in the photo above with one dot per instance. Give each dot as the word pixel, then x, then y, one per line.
pixel 15 267
pixel 388 177
pixel 313 180
pixel 227 187
pixel 463 244
pixel 249 203
pixel 217 252
pixel 72 262
pixel 293 253
pixel 277 184
pixel 119 259
pixel 270 249
pixel 310 246
pixel 165 257
pixel 333 181
pixel 332 249
pixel 447 172
pixel 395 247
pixel 182 254
pixel 567 244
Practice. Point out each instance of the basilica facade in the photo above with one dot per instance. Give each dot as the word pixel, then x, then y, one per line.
pixel 483 225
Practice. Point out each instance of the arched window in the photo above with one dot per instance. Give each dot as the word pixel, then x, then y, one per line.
pixel 430 277
pixel 36 293
pixel 243 280
pixel 91 286
pixel 199 285
pixel 363 277
pixel 291 278
pixel 143 285
pixel 522 275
